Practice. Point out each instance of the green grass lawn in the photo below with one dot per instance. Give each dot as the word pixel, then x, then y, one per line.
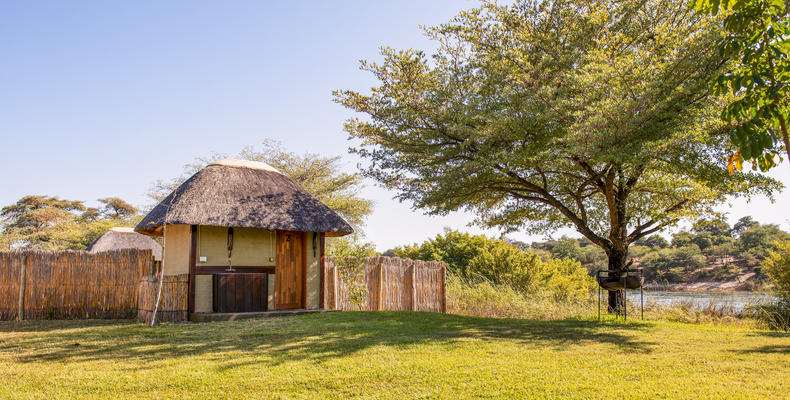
pixel 391 355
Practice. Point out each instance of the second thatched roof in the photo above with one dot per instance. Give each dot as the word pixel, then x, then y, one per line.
pixel 242 193
pixel 125 238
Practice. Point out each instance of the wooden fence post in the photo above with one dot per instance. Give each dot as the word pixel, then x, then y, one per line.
pixel 381 285
pixel 335 285
pixel 444 291
pixel 22 283
pixel 413 291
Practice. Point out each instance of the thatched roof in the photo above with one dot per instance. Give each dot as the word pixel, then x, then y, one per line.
pixel 243 194
pixel 125 238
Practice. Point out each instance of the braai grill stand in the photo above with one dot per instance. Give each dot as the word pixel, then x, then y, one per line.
pixel 621 280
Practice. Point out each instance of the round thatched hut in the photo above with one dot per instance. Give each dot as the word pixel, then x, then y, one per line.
pixel 125 238
pixel 250 238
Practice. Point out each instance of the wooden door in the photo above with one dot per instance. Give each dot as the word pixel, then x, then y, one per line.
pixel 289 272
pixel 241 292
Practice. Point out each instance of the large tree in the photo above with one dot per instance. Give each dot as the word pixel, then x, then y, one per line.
pixel 537 115
pixel 757 77
pixel 50 223
pixel 319 175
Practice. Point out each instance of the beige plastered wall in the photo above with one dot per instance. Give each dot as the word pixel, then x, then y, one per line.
pixel 251 247
pixel 313 284
pixel 177 243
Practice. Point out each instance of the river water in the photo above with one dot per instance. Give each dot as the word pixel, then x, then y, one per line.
pixel 737 300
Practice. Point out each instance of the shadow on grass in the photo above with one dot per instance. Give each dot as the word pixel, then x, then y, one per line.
pixel 775 349
pixel 315 337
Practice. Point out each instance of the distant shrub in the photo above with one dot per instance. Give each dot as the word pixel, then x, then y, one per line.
pixel 594 259
pixel 654 241
pixel 567 248
pixel 477 258
pixel 672 264
pixel 777 267
pixel 502 263
pixel 758 241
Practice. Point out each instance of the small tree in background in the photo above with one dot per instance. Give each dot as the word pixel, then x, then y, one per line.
pixel 349 257
pixel 49 223
pixel 116 208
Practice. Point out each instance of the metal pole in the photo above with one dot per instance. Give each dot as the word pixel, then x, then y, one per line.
pixel 599 302
pixel 642 300
pixel 625 297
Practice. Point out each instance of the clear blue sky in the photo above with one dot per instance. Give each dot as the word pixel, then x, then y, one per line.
pixel 102 99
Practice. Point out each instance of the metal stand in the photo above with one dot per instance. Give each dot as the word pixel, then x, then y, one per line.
pixel 609 281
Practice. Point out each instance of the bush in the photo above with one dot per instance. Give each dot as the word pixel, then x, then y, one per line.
pixel 777 267
pixel 477 258
pixel 594 259
pixel 653 241
pixel 453 247
pixel 349 255
pixel 721 273
pixel 775 316
pixel 564 280
pixel 760 240
pixel 567 248
pixel 502 263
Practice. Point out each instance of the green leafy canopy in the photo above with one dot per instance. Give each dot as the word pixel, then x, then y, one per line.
pixel 756 79
pixel 47 222
pixel 537 115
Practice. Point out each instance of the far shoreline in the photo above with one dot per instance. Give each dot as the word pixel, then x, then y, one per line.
pixel 709 286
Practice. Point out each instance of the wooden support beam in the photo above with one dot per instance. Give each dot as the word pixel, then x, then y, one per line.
pixel 322 272
pixel 303 300
pixel 223 269
pixel 192 267
pixel 334 286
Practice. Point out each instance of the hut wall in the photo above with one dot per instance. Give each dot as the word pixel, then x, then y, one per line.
pixel 177 244
pixel 252 247
pixel 204 295
pixel 313 271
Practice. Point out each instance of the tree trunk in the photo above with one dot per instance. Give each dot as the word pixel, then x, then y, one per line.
pixel 617 262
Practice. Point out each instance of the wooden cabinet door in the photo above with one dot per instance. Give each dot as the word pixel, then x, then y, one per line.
pixel 241 292
pixel 289 270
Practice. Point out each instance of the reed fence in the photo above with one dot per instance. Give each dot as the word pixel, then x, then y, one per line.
pixel 36 284
pixel 173 305
pixel 391 283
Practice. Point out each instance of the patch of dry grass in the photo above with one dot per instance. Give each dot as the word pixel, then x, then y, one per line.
pixel 486 299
